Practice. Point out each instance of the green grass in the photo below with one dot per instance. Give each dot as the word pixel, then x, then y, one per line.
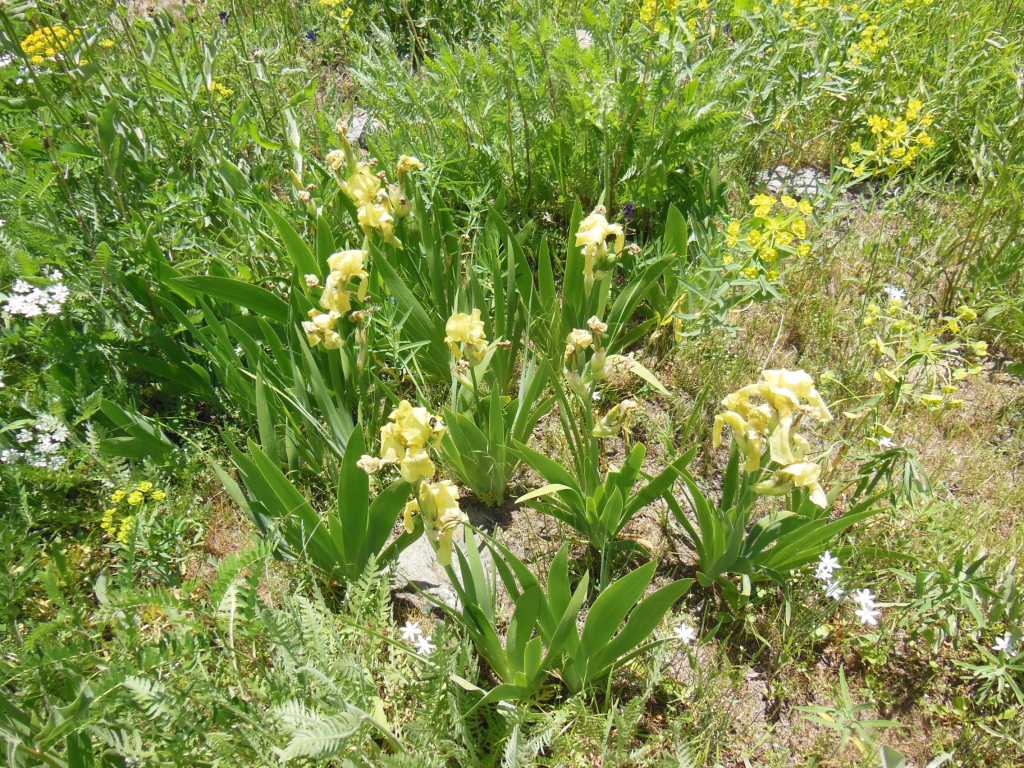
pixel 175 165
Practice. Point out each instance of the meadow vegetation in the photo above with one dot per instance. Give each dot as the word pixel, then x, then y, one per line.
pixel 519 383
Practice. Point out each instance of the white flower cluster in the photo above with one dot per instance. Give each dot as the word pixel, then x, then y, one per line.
pixel 31 301
pixel 413 634
pixel 867 611
pixel 39 446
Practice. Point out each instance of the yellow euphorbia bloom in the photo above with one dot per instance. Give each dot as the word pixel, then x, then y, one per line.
pixel 763 204
pixel 732 233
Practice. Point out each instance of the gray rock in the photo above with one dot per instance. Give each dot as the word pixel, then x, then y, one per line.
pixel 418 576
pixel 360 124
pixel 802 182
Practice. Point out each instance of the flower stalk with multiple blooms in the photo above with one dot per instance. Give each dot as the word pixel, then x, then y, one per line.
pixel 756 244
pixel 925 360
pixel 895 143
pixel 47 43
pixel 764 417
pixel 119 522
pixel 378 204
pixel 404 441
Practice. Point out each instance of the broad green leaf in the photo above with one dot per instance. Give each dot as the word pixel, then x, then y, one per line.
pixel 250 296
pixel 543 491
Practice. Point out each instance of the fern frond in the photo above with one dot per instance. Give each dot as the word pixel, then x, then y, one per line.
pixel 313 734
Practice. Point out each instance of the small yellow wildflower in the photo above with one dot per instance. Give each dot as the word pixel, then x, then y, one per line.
pixel 219 89
pixel 763 204
pixel 732 233
pixel 124 532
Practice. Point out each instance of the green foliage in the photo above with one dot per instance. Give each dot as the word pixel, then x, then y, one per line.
pixel 729 541
pixel 599 513
pixel 342 543
pixel 543 637
pixel 541 120
pixel 176 167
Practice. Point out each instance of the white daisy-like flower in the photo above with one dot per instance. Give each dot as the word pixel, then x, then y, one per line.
pixel 834 591
pixel 411 632
pixel 886 442
pixel 864 598
pixel 1004 644
pixel 895 293
pixel 424 646
pixel 685 634
pixel 827 566
pixel 868 615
